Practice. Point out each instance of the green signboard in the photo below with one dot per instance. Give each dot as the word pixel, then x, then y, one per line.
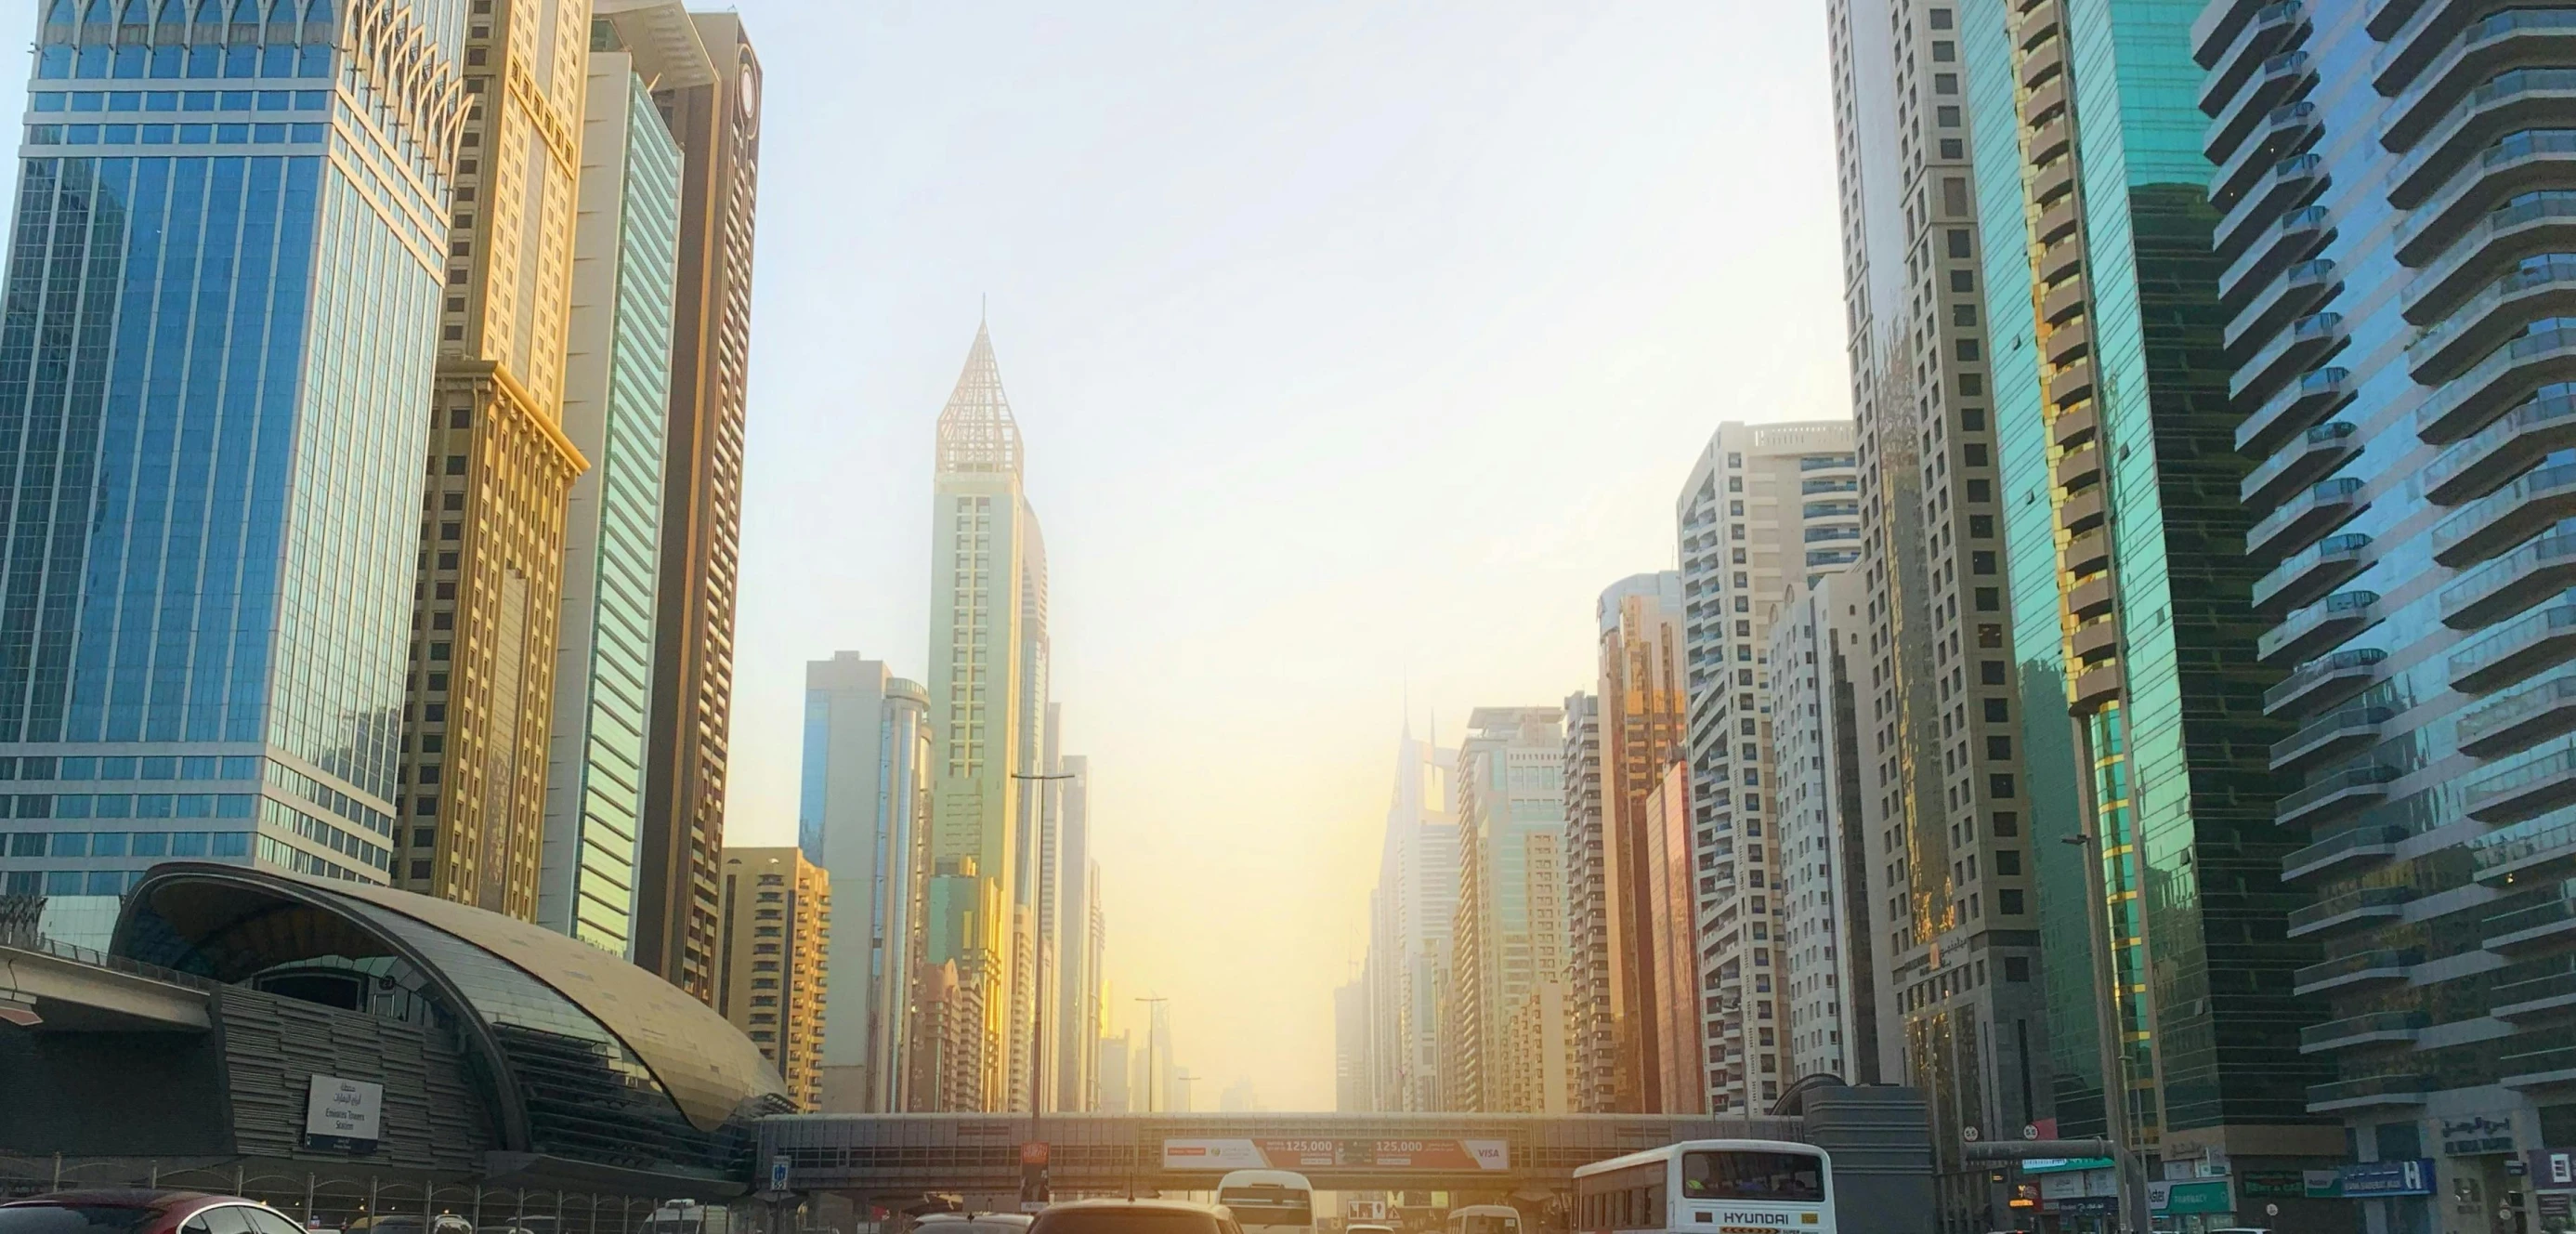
pixel 2273 1184
pixel 2204 1196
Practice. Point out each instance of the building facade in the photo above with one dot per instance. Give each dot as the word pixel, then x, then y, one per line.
pixel 2390 196
pixel 221 380
pixel 1642 713
pixel 1766 508
pixel 617 381
pixel 717 125
pixel 1073 1017
pixel 1592 1062
pixel 1412 910
pixel 863 815
pixel 1829 979
pixel 774 980
pixel 489 601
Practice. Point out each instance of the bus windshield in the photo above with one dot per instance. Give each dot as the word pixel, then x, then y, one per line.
pixel 1787 1178
pixel 1269 1206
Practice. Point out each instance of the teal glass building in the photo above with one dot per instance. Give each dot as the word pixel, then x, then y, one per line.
pixel 2139 541
pixel 2400 185
pixel 215 351
pixel 616 407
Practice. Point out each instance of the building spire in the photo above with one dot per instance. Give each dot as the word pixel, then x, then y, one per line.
pixel 976 431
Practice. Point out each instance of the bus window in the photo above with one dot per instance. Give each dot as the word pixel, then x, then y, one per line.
pixel 1781 1177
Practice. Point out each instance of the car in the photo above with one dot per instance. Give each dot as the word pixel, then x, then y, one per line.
pixel 1364 1227
pixel 410 1223
pixel 1135 1217
pixel 974 1223
pixel 136 1210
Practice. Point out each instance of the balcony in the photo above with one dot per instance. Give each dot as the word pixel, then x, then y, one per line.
pixel 2215 30
pixel 2517 164
pixel 2344 732
pixel 2292 128
pixel 2344 851
pixel 2541 568
pixel 2516 100
pixel 2377 966
pixel 2079 468
pixel 2311 573
pixel 2415 36
pixel 2075 425
pixel 2052 181
pixel 2067 344
pixel 2506 517
pixel 2081 511
pixel 2539 918
pixel 2048 144
pixel 2523 786
pixel 2060 261
pixel 2541 287
pixel 2324 681
pixel 2535 989
pixel 2299 407
pixel 2368 1092
pixel 2498 243
pixel 2309 458
pixel 2373 1028
pixel 2511 855
pixel 2490 45
pixel 2279 79
pixel 2511 374
pixel 2525 717
pixel 2041 104
pixel 2071 385
pixel 2062 302
pixel 2094 687
pixel 2317 627
pixel 2539 1069
pixel 2300 235
pixel 2505 449
pixel 2298 292
pixel 2334 795
pixel 2058 221
pixel 2293 183
pixel 2302 520
pixel 2040 63
pixel 2350 909
pixel 2517 649
pixel 2095 639
pixel 2090 598
pixel 2272 29
pixel 2087 554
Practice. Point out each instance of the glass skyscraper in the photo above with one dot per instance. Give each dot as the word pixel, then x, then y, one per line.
pixel 222 305
pixel 616 404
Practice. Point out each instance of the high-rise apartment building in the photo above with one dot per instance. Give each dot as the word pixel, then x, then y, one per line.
pixel 1072 879
pixel 1592 1059
pixel 1508 929
pixel 1641 728
pixel 489 600
pixel 222 362
pixel 717 124
pixel 773 971
pixel 1949 815
pixel 2145 551
pixel 1829 979
pixel 1412 908
pixel 1766 508
pixel 1117 1071
pixel 863 815
pixel 951 1067
pixel 616 402
pixel 983 564
pixel 1036 952
pixel 2392 195
pixel 1669 950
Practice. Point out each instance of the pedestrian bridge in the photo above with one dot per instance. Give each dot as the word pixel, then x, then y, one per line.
pixel 1877 1136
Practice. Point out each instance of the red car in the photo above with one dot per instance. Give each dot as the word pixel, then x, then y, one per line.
pixel 137 1211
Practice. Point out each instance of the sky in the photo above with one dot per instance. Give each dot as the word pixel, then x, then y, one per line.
pixel 1356 348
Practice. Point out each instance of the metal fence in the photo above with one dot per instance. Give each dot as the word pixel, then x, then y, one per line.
pixel 341 1200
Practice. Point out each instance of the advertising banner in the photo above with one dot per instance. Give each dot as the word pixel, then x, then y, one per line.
pixel 1395 1156
pixel 2365 1179
pixel 2209 1196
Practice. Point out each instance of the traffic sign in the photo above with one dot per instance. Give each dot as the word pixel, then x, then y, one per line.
pixel 1033 1153
pixel 778 1166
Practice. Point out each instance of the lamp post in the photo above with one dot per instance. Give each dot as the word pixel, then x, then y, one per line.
pixel 2131 1166
pixel 1037 1007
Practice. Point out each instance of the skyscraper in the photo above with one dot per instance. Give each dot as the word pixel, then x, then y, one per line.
pixel 2139 548
pixel 2392 200
pixel 1829 977
pixel 717 124
pixel 1412 910
pixel 982 610
pixel 1767 507
pixel 488 604
pixel 862 814
pixel 1592 1057
pixel 1948 813
pixel 224 334
pixel 1070 1017
pixel 616 406
pixel 1508 930
pixel 1641 735
pixel 772 978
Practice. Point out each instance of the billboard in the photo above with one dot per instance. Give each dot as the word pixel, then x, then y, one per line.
pixel 1381 1156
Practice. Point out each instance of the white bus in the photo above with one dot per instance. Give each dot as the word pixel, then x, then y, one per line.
pixel 1485 1219
pixel 1709 1187
pixel 1268 1201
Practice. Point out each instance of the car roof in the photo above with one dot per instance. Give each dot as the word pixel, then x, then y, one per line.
pixel 130 1197
pixel 1178 1206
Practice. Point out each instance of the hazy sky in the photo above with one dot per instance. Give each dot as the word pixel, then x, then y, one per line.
pixel 1356 347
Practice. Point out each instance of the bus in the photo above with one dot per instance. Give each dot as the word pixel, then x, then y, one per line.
pixel 1485 1219
pixel 1709 1187
pixel 1268 1201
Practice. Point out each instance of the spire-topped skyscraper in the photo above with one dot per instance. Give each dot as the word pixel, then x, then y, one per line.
pixel 987 705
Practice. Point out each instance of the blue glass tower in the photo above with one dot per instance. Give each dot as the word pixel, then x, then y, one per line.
pixel 221 309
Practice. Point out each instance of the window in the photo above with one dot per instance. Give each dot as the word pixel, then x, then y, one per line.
pixel 1999 747
pixel 1944 51
pixel 1957 240
pixel 1989 599
pixel 1990 672
pixel 2008 902
pixel 1981 562
pixel 1968 353
pixel 1940 19
pixel 2007 861
pixel 2007 823
pixel 1963 315
pixel 1960 280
